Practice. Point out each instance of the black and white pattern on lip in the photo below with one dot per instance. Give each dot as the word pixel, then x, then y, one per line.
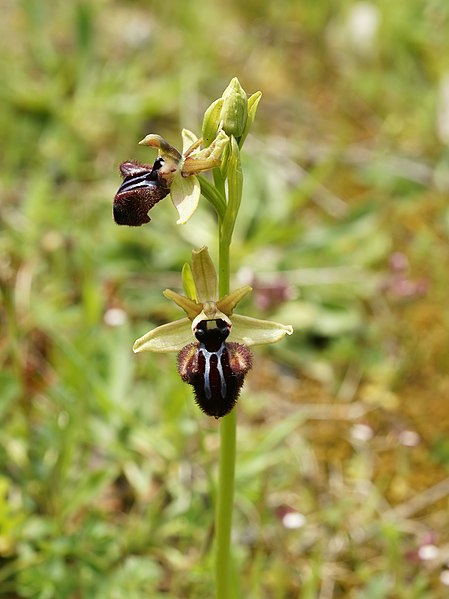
pixel 215 368
pixel 139 192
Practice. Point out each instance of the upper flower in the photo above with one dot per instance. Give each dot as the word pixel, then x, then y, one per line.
pixel 226 124
pixel 178 171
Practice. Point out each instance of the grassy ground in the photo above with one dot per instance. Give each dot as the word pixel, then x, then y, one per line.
pixel 107 467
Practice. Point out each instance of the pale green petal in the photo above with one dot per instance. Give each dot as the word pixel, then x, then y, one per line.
pixel 185 194
pixel 204 275
pixel 190 307
pixel 188 283
pixel 188 139
pixel 252 331
pixel 211 122
pixel 172 336
pixel 229 302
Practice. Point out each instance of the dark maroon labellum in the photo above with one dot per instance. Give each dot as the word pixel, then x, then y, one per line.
pixel 214 368
pixel 140 191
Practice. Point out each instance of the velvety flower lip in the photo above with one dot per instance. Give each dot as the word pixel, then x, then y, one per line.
pixel 206 305
pixel 140 191
pixel 179 171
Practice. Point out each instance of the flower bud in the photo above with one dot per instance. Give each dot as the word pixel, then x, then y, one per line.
pixel 234 112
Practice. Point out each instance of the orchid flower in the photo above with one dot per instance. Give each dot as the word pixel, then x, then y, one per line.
pixel 172 173
pixel 211 340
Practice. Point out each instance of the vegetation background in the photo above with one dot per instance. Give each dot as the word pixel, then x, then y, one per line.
pixel 107 467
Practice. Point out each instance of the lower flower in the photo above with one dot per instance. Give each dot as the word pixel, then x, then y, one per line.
pixel 214 366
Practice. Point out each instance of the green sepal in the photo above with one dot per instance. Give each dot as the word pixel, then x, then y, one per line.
pixel 204 275
pixel 253 331
pixel 169 337
pixel 225 160
pixel 230 301
pixel 190 307
pixel 188 283
pixel 253 103
pixel 235 186
pixel 211 122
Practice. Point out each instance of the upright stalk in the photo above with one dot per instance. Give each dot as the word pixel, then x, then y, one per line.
pixel 226 475
pixel 225 502
pixel 228 425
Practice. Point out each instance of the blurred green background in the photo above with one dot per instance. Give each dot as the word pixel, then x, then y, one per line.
pixel 107 467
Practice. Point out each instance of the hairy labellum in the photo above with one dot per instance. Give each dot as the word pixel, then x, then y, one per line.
pixel 141 189
pixel 214 368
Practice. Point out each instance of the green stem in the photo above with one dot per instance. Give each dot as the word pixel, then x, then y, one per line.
pixel 225 504
pixel 224 268
pixel 225 494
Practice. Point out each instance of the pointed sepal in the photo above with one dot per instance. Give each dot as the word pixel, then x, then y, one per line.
pixel 254 331
pixel 169 337
pixel 190 306
pixel 204 275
